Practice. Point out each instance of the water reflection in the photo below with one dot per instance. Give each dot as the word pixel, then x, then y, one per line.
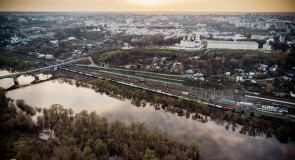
pixel 23 80
pixel 217 142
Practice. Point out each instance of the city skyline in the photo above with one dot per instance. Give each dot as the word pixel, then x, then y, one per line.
pixel 150 5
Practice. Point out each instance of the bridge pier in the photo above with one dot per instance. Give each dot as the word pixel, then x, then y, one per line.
pixel 15 80
pixel 36 75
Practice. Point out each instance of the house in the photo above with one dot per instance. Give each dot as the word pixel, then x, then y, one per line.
pixel 71 38
pixel 273 68
pixel 46 134
pixel 199 76
pixel 53 43
pixel 227 74
pixel 262 67
pixel 251 75
pixel 189 71
pixel 239 79
pixel 40 55
pixel 49 56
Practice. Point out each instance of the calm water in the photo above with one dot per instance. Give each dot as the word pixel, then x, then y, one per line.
pixel 216 142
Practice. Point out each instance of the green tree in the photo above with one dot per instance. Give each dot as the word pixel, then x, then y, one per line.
pixel 232 78
pixel 194 149
pixel 149 155
pixel 157 99
pixel 228 113
pixel 151 137
pixel 100 147
pixel 72 140
pixel 194 146
pixel 87 150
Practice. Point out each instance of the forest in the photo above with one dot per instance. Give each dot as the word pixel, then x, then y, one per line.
pixel 81 136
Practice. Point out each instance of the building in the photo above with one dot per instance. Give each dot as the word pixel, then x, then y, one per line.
pixel 47 134
pixel 266 46
pixel 235 37
pixel 191 42
pixel 242 45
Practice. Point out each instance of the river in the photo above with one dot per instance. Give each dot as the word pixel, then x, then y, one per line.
pixel 215 140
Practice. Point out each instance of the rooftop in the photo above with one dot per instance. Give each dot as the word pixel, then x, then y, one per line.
pixel 237 42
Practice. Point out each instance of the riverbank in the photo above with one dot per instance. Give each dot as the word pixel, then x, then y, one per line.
pixel 91 136
pixel 219 139
pixel 253 126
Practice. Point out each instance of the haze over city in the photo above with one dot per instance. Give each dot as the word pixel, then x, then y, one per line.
pixel 150 5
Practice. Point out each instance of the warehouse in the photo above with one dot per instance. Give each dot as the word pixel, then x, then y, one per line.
pixel 244 45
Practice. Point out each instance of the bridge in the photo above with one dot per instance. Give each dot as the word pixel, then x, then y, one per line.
pixel 35 72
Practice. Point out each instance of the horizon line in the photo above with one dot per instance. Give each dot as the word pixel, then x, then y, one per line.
pixel 172 11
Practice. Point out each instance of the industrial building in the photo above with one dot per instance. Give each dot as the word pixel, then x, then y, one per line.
pixel 240 45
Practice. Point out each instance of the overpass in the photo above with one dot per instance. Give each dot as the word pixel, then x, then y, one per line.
pixel 35 72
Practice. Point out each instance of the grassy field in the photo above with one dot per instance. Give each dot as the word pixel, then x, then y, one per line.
pixel 204 43
pixel 109 53
pixel 154 48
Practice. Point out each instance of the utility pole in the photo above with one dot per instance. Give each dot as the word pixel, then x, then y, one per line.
pixel 195 87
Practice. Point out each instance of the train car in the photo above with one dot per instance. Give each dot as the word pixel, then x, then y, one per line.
pixel 159 91
pixel 205 103
pixel 184 93
pixel 165 93
pixel 174 95
pixel 218 106
pixel 245 104
pixel 204 100
pixel 228 108
pixel 192 94
pixel 238 111
pixel 258 115
pixel 249 112
pixel 261 110
pixel 285 110
pixel 230 101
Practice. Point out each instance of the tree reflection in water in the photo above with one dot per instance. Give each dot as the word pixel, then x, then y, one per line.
pixel 246 125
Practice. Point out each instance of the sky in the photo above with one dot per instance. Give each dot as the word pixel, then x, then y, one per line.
pixel 150 5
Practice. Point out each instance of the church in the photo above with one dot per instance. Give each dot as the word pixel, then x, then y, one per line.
pixel 191 41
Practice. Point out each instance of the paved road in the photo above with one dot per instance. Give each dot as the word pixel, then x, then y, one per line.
pixel 92 64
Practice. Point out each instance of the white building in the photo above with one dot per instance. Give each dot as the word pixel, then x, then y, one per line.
pixel 266 46
pixel 235 37
pixel 261 37
pixel 243 45
pixel 190 42
pixel 49 56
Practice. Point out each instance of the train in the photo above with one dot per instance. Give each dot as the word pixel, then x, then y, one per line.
pixel 225 104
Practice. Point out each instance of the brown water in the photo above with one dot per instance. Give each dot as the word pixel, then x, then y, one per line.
pixel 216 141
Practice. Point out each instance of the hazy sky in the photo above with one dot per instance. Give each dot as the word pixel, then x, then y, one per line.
pixel 150 5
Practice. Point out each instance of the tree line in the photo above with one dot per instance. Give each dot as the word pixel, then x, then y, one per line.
pixel 15 64
pixel 82 136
